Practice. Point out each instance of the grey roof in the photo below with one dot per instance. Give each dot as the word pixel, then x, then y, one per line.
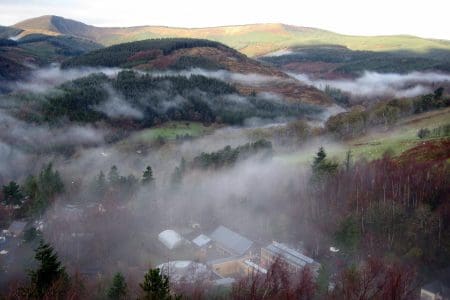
pixel 255 266
pixel 201 240
pixel 436 287
pixel 223 259
pixel 227 281
pixel 289 254
pixel 17 227
pixel 230 240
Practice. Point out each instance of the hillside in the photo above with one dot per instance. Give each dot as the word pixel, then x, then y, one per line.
pixel 332 61
pixel 252 40
pixel 17 58
pixel 186 54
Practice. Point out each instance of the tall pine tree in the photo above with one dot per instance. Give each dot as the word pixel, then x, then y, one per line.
pixel 118 289
pixel 50 273
pixel 155 286
pixel 147 177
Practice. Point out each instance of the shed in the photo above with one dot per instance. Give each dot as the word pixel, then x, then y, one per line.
pixel 17 227
pixel 201 240
pixel 435 290
pixel 231 241
pixel 170 238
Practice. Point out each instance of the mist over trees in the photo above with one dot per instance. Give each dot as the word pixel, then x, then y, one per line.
pixel 95 165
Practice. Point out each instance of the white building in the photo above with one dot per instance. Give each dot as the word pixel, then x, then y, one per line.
pixel 170 238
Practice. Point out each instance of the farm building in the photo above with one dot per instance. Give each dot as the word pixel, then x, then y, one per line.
pixel 294 260
pixel 16 228
pixel 435 290
pixel 201 240
pixel 185 270
pixel 439 289
pixel 170 238
pixel 230 241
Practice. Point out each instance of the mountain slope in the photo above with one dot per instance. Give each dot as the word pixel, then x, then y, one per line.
pixel 252 40
pixel 18 58
pixel 195 55
pixel 330 61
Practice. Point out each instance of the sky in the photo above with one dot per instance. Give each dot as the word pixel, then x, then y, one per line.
pixel 360 17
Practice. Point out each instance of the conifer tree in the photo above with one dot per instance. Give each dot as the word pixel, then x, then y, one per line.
pixel 155 286
pixel 49 273
pixel 147 177
pixel 118 289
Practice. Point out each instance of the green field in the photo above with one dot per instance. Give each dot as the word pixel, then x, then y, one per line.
pixel 402 138
pixel 373 145
pixel 167 132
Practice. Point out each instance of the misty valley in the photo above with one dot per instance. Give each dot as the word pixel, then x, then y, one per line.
pixel 175 166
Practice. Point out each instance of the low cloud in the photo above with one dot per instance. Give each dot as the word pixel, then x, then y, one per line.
pixel 251 79
pixel 373 84
pixel 40 80
pixel 117 107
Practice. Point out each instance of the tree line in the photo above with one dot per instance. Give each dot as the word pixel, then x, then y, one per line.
pixel 359 119
pixel 119 55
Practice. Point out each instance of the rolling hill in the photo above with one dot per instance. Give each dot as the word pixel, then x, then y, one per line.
pixel 331 61
pixel 252 40
pixel 17 58
pixel 246 74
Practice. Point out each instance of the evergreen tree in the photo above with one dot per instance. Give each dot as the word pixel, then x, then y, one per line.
pixel 113 175
pixel 50 182
pixel 12 194
pixel 348 160
pixel 320 157
pixel 147 177
pixel 30 187
pixel 155 286
pixel 321 166
pixel 49 272
pixel 42 189
pixel 100 183
pixel 177 175
pixel 118 289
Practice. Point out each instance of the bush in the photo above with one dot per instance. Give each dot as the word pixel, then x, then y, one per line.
pixel 423 133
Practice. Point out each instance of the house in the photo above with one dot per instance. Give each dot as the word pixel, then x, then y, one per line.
pixel 435 290
pixel 294 260
pixel 170 238
pixel 16 228
pixel 230 241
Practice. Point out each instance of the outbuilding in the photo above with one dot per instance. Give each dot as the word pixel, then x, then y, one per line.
pixel 170 238
pixel 230 241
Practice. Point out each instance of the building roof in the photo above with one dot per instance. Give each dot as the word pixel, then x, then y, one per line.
pixel 227 281
pixel 437 287
pixel 185 270
pixel 201 240
pixel 230 240
pixel 291 255
pixel 170 238
pixel 255 266
pixel 17 227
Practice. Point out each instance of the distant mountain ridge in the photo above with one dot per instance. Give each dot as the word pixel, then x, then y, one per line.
pixel 252 40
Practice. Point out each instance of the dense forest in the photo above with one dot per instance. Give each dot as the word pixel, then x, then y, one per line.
pixel 354 62
pixel 134 53
pixel 153 100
